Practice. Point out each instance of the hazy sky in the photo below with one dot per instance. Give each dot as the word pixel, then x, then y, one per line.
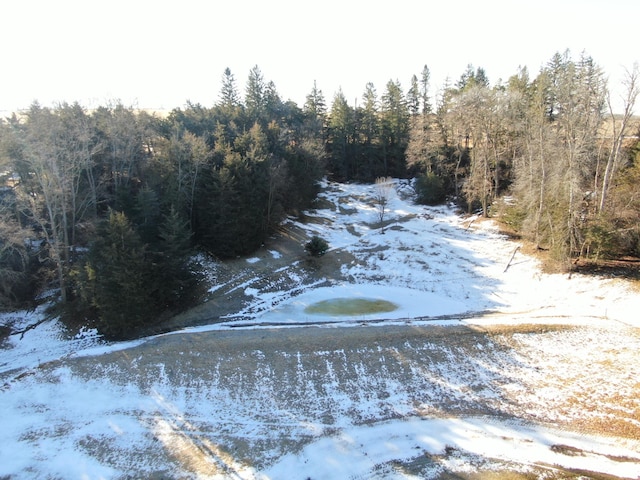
pixel 159 54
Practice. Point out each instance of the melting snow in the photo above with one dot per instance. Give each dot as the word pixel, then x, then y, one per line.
pixel 434 264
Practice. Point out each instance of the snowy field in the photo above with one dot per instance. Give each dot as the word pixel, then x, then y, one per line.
pixel 487 365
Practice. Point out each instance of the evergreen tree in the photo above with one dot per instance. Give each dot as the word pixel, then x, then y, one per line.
pixel 341 136
pixel 315 111
pixel 196 119
pixel 472 78
pixel 115 280
pixel 177 276
pixel 239 203
pixel 305 167
pixel 413 97
pixel 254 99
pixel 146 214
pixel 424 90
pixel 272 103
pixel 371 162
pixel 315 104
pixel 394 129
pixel 229 97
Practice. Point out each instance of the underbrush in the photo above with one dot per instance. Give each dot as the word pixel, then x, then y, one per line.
pixel 627 268
pixel 551 261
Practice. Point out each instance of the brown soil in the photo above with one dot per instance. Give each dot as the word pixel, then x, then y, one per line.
pixel 273 374
pixel 627 268
pixel 292 269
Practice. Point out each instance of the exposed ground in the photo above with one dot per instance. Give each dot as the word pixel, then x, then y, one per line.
pixel 292 269
pixel 248 397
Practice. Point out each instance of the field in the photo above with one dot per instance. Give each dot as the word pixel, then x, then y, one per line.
pixel 487 368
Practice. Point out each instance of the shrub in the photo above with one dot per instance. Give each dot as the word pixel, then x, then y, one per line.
pixel 430 189
pixel 317 246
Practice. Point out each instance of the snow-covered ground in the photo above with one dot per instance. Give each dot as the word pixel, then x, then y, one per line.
pixel 70 407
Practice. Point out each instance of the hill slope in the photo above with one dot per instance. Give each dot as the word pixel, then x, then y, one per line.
pixel 482 368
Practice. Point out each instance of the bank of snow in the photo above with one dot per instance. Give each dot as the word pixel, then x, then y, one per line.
pixel 432 262
pixel 410 303
pixel 469 440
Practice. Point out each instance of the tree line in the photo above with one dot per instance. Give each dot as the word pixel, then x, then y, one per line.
pixel 548 154
pixel 108 207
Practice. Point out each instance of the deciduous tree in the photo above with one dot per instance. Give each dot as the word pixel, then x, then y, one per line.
pixel 383 190
pixel 619 128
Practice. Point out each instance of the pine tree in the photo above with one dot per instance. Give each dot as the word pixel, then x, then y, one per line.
pixel 371 162
pixel 315 111
pixel 315 104
pixel 229 97
pixel 115 281
pixel 176 275
pixel 395 129
pixel 424 90
pixel 413 97
pixel 341 135
pixel 255 94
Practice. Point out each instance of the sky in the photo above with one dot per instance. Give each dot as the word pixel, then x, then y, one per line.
pixel 160 55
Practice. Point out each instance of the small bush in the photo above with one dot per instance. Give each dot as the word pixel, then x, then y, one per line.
pixel 317 246
pixel 430 189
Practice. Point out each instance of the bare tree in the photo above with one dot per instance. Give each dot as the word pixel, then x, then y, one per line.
pixel 58 190
pixel 181 160
pixel 556 156
pixel 580 100
pixel 536 139
pixel 482 115
pixel 384 188
pixel 124 136
pixel 619 127
pixel 14 255
pixel 45 188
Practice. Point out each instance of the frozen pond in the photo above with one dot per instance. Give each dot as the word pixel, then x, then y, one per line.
pixel 360 302
pixel 351 306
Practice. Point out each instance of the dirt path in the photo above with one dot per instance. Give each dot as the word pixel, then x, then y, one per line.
pixel 281 264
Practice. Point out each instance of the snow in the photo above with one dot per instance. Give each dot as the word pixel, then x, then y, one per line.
pixel 440 268
pixel 359 449
pixel 412 303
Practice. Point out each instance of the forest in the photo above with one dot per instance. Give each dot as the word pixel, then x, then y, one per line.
pixel 112 208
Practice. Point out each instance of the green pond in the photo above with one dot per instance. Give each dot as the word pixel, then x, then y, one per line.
pixel 351 306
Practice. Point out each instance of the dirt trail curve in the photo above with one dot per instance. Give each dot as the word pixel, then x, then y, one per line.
pixel 283 265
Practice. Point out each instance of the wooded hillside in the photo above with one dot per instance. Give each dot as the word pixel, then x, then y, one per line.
pixel 108 206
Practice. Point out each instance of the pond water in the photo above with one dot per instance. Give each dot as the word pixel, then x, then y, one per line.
pixel 345 302
pixel 350 306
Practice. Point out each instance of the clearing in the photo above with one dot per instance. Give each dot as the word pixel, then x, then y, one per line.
pixel 487 368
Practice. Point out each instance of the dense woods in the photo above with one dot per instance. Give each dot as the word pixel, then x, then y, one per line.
pixel 109 207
